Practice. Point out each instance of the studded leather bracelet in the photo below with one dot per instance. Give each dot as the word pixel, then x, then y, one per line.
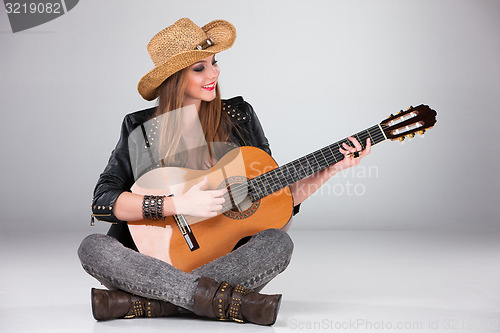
pixel 152 207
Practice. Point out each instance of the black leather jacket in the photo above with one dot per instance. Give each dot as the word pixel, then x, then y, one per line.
pixel 118 176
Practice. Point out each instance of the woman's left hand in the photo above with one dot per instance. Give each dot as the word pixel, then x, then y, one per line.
pixel 349 160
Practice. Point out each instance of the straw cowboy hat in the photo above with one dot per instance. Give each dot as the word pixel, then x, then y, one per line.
pixel 181 45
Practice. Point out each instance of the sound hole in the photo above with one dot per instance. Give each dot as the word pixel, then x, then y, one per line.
pixel 238 198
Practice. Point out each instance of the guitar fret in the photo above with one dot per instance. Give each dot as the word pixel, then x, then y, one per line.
pixel 329 161
pixel 296 173
pixel 291 180
pixel 371 139
pixel 274 185
pixel 260 186
pixel 267 185
pixel 363 140
pixel 263 184
pixel 356 136
pixel 326 160
pixel 256 190
pixel 333 154
pixel 277 177
pixel 310 168
pixel 272 179
pixel 301 166
pixel 251 192
pixel 380 127
pixel 300 169
pixel 284 178
pixel 312 164
pixel 316 161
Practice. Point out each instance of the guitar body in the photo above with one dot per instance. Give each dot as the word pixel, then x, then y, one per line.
pixel 216 236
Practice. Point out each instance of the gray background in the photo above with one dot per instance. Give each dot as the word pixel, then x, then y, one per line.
pixel 419 245
pixel 315 72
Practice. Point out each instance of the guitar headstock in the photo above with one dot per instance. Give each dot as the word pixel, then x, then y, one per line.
pixel 406 123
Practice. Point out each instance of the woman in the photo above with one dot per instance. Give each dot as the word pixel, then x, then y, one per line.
pixel 186 76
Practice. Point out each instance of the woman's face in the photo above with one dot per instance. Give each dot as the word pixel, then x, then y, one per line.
pixel 202 79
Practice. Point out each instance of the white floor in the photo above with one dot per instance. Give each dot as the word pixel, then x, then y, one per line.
pixel 357 281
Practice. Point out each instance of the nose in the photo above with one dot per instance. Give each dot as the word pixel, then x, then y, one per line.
pixel 213 71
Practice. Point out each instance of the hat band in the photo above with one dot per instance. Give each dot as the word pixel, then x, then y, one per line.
pixel 209 42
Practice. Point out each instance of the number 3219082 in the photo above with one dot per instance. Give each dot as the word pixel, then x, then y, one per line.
pixel 32 8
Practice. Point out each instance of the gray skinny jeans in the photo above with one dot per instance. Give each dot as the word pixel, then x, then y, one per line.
pixel 252 265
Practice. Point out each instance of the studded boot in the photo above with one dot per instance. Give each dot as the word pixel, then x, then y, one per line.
pixel 226 302
pixel 114 304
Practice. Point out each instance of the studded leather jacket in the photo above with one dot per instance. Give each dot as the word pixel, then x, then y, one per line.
pixel 118 175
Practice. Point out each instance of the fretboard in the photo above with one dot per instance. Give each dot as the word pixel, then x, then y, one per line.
pixel 308 165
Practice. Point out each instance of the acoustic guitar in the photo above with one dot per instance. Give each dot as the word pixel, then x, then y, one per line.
pixel 257 198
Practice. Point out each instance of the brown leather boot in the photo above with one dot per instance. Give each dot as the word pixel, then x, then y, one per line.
pixel 113 304
pixel 223 301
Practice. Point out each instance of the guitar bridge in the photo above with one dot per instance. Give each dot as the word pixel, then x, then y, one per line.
pixel 186 231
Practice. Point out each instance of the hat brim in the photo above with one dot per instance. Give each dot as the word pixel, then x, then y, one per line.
pixel 221 32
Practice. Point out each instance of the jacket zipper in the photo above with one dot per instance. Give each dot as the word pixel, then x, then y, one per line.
pixel 92 221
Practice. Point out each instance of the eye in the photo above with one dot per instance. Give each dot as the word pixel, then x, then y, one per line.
pixel 214 62
pixel 199 68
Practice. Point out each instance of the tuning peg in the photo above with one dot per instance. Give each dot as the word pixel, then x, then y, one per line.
pixel 421 132
pixel 402 138
pixel 400 112
pixel 411 107
pixel 411 135
pixel 390 116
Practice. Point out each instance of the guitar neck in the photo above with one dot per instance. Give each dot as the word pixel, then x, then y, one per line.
pixel 303 167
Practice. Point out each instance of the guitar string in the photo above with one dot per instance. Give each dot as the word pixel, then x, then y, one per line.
pixel 266 188
pixel 242 188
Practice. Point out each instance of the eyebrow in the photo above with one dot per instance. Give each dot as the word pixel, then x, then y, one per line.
pixel 201 61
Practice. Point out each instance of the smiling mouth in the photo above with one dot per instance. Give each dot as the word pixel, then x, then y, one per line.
pixel 210 86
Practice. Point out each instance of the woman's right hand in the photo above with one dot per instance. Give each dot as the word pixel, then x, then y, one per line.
pixel 198 202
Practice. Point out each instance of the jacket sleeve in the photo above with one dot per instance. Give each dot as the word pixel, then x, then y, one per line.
pixel 259 138
pixel 116 178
